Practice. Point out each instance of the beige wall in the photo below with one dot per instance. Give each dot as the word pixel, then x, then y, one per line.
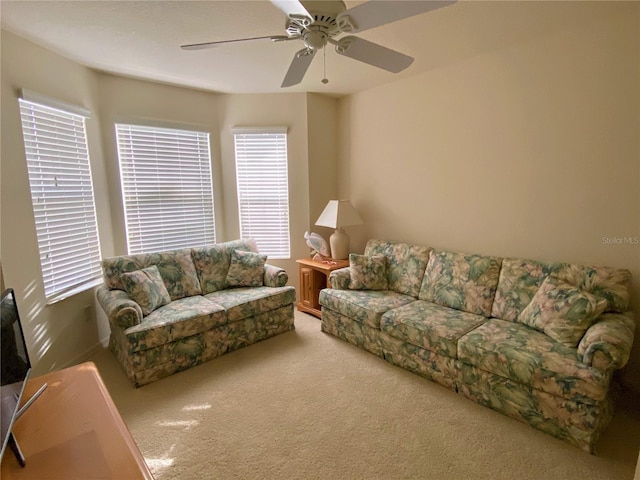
pixel 529 151
pixel 323 157
pixel 61 334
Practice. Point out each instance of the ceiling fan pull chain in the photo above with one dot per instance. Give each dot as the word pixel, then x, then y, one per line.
pixel 325 80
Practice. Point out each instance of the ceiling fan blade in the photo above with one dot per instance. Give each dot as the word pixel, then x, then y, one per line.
pixel 299 65
pixel 200 46
pixel 289 7
pixel 373 54
pixel 380 12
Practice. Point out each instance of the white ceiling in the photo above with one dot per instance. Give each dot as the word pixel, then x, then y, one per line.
pixel 141 39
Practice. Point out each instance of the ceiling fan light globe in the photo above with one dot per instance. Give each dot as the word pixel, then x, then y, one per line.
pixel 315 39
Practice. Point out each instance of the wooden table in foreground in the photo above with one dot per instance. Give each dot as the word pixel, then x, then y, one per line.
pixel 73 432
pixel 314 276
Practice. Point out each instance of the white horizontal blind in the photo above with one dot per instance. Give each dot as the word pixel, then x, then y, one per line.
pixel 263 190
pixel 62 195
pixel 166 187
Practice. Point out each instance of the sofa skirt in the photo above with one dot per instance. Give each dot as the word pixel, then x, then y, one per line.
pixel 568 420
pixel 147 366
pixel 356 333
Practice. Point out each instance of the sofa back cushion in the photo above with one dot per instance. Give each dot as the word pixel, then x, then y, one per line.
pixel 212 262
pixel 405 264
pixel 175 266
pixel 520 279
pixel 461 281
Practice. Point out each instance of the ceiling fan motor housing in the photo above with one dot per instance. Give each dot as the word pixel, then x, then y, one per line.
pixel 321 26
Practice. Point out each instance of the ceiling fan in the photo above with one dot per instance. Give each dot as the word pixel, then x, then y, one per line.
pixel 317 23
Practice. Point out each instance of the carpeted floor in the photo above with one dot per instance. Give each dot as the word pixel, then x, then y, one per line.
pixel 305 405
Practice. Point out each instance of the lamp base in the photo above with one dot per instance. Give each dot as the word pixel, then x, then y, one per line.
pixel 339 242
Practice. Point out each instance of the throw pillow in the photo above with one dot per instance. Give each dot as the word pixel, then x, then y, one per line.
pixel 246 269
pixel 368 273
pixel 146 288
pixel 562 311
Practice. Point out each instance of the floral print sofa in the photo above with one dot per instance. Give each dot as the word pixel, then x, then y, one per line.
pixel 538 341
pixel 173 310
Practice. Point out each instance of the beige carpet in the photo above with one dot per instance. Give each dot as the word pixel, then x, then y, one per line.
pixel 305 405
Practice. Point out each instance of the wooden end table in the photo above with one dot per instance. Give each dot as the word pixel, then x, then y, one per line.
pixel 314 276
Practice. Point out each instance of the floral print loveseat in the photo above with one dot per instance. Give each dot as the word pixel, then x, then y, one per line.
pixel 173 310
pixel 538 341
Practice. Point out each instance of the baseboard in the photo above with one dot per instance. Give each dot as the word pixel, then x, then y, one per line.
pixel 85 356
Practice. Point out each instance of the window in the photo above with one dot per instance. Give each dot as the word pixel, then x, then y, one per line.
pixel 55 144
pixel 166 188
pixel 263 188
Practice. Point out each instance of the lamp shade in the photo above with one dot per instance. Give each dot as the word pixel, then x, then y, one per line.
pixel 338 214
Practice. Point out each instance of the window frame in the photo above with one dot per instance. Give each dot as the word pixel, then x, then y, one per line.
pixel 276 241
pixel 196 153
pixel 62 194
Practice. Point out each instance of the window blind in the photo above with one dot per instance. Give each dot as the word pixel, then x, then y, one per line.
pixel 62 195
pixel 263 189
pixel 166 187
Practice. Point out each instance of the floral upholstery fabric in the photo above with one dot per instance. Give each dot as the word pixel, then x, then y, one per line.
pixel 246 269
pixel 574 422
pixel 260 327
pixel 607 343
pixel 368 273
pixel 497 362
pixel 430 326
pixel 212 263
pixel 245 302
pixel 146 288
pixel 461 281
pixel 356 333
pixel 426 363
pixel 274 276
pixel 405 264
pixel 179 319
pixel 364 306
pixel 529 357
pixel 121 310
pixel 340 279
pixel 562 311
pixel 176 268
pixel 521 278
pixel 612 284
pixel 146 366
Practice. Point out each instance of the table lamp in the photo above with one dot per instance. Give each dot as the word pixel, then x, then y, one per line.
pixel 338 214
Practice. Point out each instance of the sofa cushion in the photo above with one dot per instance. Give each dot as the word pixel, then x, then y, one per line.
pixel 146 288
pixel 430 326
pixel 368 273
pixel 611 284
pixel 562 311
pixel 405 264
pixel 246 269
pixel 461 281
pixel 527 356
pixel 364 306
pixel 241 303
pixel 179 319
pixel 212 262
pixel 176 268
pixel 521 278
pixel 519 281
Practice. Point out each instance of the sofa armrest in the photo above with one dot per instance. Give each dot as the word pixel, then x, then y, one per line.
pixel 340 279
pixel 275 276
pixel 120 309
pixel 607 343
